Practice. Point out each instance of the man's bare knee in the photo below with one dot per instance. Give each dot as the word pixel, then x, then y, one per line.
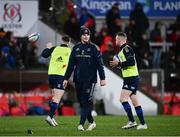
pixel 134 100
pixel 124 95
pixel 56 99
pixel 135 104
pixel 57 95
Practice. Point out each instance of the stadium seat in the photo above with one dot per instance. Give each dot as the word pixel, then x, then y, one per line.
pixel 68 111
pixel 37 104
pixel 175 109
pixel 4 105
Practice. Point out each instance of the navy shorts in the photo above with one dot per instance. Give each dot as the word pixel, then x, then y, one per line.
pixel 56 81
pixel 131 84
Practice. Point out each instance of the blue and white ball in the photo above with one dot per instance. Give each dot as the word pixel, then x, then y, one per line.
pixel 34 37
pixel 117 58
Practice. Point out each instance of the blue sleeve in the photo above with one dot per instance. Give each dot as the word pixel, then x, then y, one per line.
pixel 71 65
pixel 129 55
pixel 100 64
pixel 47 52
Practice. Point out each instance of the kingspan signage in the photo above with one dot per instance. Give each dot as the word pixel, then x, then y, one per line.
pixel 152 8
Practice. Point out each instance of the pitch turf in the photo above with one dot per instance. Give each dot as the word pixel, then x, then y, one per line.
pixel 106 126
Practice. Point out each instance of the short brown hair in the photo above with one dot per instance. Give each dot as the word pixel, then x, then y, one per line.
pixel 66 38
pixel 122 34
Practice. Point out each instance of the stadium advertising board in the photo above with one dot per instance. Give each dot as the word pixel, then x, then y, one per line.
pixel 18 16
pixel 152 8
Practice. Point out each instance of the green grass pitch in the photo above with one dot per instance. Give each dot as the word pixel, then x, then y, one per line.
pixel 106 126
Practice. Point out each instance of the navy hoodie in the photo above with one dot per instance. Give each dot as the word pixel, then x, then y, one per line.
pixel 85 61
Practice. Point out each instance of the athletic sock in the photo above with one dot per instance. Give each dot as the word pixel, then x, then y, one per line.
pixel 139 113
pixel 53 107
pixel 128 110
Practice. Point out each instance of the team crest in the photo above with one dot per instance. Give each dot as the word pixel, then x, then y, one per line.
pixel 126 49
pixel 12 12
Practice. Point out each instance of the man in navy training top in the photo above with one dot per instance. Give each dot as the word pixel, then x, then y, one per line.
pixel 85 60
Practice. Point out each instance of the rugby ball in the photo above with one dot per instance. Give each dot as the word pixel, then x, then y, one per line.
pixel 33 37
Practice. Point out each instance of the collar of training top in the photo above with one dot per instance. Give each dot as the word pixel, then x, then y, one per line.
pixel 64 45
pixel 123 46
pixel 86 43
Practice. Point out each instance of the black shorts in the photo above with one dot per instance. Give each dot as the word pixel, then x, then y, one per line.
pixel 56 81
pixel 131 85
